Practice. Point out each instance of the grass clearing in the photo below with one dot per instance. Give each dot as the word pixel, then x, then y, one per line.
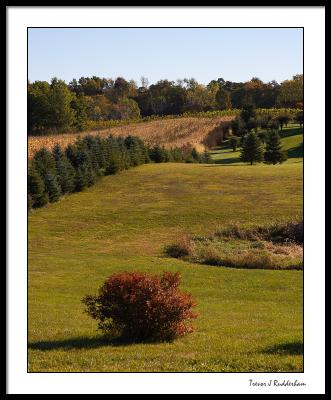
pixel 123 223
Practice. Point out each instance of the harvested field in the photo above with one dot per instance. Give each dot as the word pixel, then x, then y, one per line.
pixel 177 132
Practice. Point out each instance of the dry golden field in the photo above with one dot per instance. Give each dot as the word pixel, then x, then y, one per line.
pixel 177 132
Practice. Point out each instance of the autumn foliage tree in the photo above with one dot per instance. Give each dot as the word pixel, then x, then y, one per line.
pixel 136 306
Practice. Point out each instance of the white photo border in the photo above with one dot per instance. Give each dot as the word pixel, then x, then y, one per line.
pixel 312 19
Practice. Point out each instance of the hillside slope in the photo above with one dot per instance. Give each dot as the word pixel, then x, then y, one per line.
pixel 250 320
pixel 176 132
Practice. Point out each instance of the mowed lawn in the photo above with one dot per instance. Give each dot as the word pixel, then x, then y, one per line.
pixel 250 320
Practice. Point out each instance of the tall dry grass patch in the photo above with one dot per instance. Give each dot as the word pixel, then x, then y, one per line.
pixel 178 132
pixel 275 246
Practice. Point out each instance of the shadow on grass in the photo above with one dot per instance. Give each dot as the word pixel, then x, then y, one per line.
pixel 73 343
pixel 83 342
pixel 295 152
pixel 291 132
pixel 291 348
pixel 227 161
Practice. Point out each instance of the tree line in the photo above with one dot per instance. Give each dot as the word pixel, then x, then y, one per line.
pixel 59 107
pixel 52 174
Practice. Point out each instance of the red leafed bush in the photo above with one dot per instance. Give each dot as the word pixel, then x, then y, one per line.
pixel 137 306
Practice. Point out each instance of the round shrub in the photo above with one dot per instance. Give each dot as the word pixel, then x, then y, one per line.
pixel 136 306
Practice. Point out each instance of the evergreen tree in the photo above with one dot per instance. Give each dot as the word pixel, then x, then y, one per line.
pixel 65 172
pixel 71 152
pixel 238 127
pixel 36 189
pixel 136 150
pixel 65 175
pixel 112 168
pixel 251 124
pixel 91 176
pixel 167 155
pixel 52 187
pixel 252 149
pixel 80 179
pixel 44 162
pixel 157 154
pixel 99 148
pixel 91 146
pixel 120 153
pixel 57 153
pixel 274 153
pixel 85 177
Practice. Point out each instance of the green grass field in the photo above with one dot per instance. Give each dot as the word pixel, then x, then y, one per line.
pixel 250 320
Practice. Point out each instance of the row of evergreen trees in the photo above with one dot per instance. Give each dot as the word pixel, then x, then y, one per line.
pixel 254 151
pixel 259 137
pixel 58 172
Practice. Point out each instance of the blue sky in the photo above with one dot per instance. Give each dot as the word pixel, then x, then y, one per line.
pixel 235 54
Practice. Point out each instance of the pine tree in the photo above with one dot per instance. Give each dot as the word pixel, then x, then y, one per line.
pixel 157 154
pixel 52 187
pixel 44 162
pixel 136 149
pixel 65 172
pixel 91 176
pixel 99 148
pixel 274 153
pixel 91 146
pixel 57 153
pixel 112 168
pixel 65 175
pixel 252 149
pixel 71 152
pixel 168 157
pixel 80 179
pixel 36 189
pixel 85 177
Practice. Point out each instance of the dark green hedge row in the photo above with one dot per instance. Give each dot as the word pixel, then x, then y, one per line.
pixel 52 174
